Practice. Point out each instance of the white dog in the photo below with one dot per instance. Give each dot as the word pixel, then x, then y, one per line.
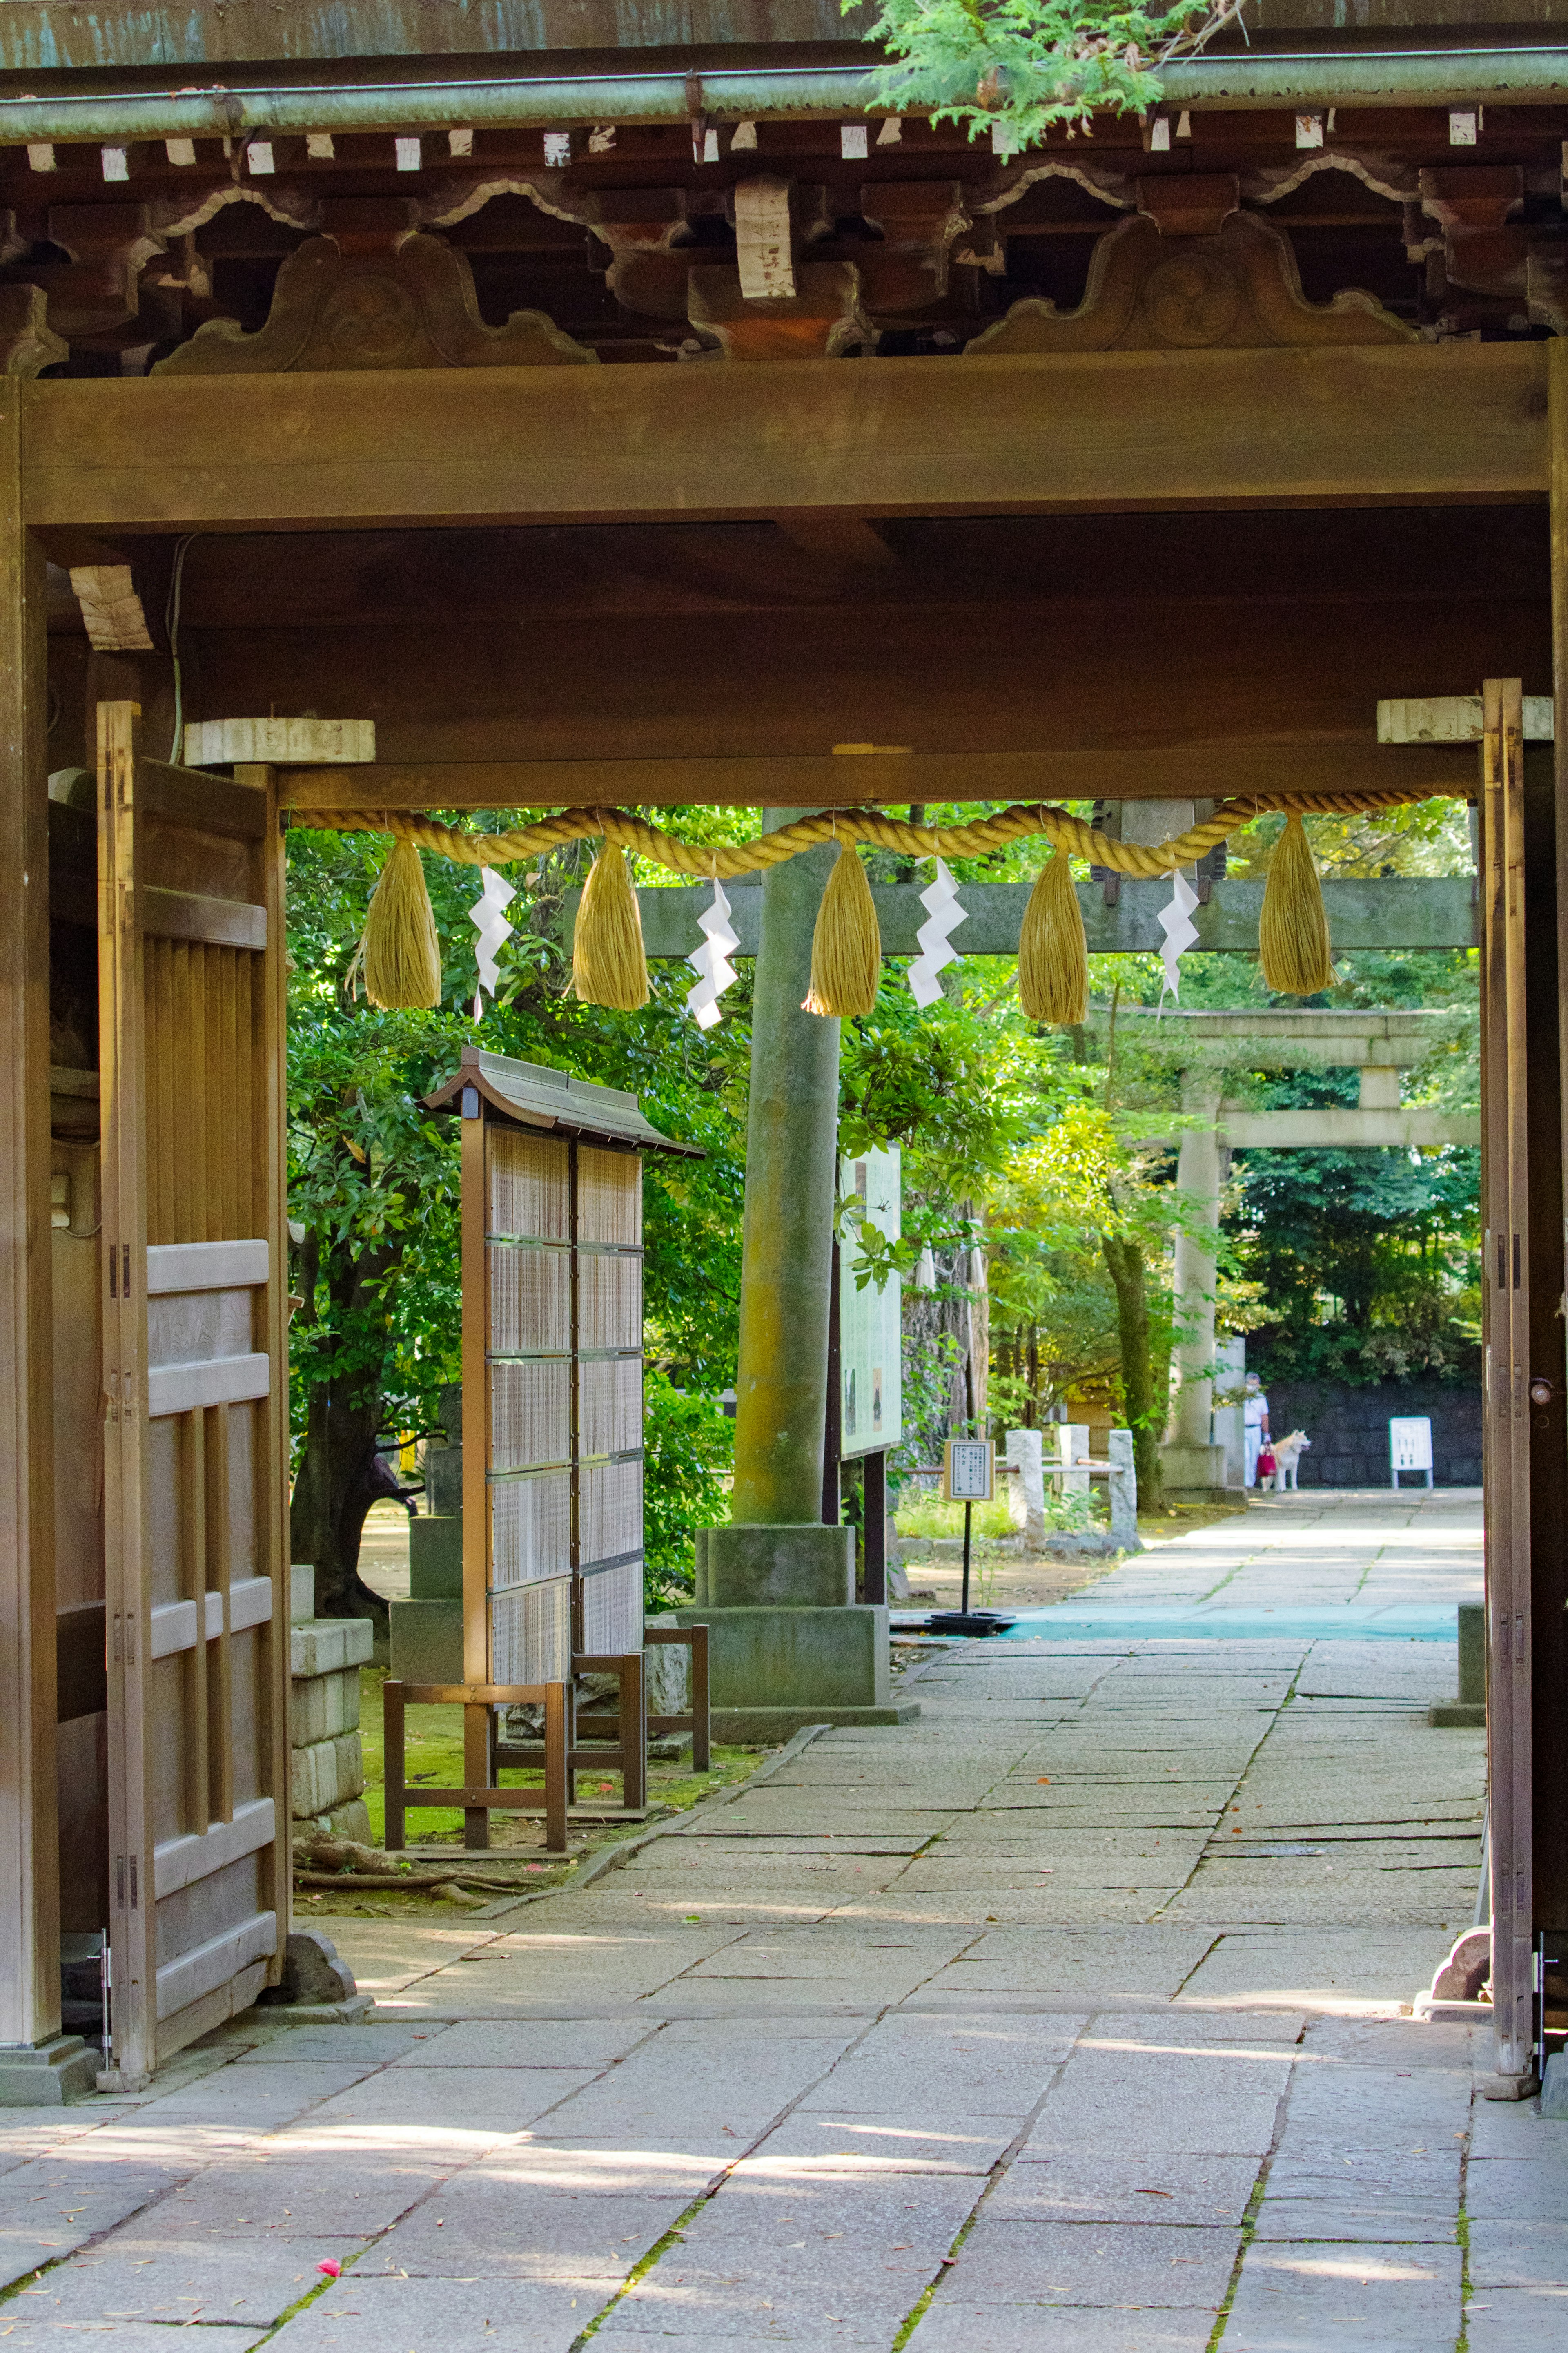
pixel 1288 1453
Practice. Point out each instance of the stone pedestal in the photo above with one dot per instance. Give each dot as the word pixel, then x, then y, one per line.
pixel 788 1644
pixel 47 2075
pixel 428 1629
pixel 1195 1474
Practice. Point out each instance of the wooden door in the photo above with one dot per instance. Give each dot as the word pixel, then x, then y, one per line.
pixel 1526 1464
pixel 191 1037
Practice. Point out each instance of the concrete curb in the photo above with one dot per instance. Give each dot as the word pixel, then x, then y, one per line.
pixel 610 1857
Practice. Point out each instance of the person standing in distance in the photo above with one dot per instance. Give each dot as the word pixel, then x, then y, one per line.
pixel 1254 1425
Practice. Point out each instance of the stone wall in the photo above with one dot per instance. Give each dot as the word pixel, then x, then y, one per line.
pixel 1349 1430
pixel 327 1764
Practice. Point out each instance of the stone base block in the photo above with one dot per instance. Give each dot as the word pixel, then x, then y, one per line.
pixel 435 1556
pixel 47 2075
pixel 326 1773
pixel 760 1728
pixel 350 1821
pixel 807 1566
pixel 427 1641
pixel 320 1706
pixel 1196 1474
pixel 1450 1715
pixel 800 1663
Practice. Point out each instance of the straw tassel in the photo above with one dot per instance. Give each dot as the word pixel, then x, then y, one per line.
pixel 847 945
pixel 1053 954
pixel 608 964
pixel 399 954
pixel 1293 926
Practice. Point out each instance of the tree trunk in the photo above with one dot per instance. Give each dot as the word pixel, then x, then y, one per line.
pixel 1145 1412
pixel 339 1476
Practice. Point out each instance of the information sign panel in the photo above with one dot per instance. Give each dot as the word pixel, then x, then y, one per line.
pixel 1410 1443
pixel 969 1469
pixel 871 1321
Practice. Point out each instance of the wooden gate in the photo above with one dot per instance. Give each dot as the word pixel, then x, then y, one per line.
pixel 192 1255
pixel 1527 1650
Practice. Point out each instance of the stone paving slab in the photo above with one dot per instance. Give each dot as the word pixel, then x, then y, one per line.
pixel 1008 2262
pixel 941 2071
pixel 1301 2300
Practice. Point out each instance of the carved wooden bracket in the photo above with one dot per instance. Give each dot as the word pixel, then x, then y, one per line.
pixel 815 323
pixel 27 343
pixel 919 220
pixel 1484 249
pixel 373 292
pixel 1237 287
pixel 98 290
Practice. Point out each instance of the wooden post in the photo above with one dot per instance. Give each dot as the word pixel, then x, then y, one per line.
pixel 875 1514
pixel 556 1730
pixel 393 1770
pixel 701 1712
pixel 833 1421
pixel 270 1190
pixel 633 1732
pixel 478 1723
pixel 786 1249
pixel 29 1888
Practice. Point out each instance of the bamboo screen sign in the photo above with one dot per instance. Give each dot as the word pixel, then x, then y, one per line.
pixel 553 1368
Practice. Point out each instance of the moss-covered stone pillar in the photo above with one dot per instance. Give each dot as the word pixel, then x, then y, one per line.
pixel 792 1132
pixel 788 1644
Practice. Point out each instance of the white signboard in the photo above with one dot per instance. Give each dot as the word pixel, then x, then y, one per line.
pixel 1410 1443
pixel 870 1322
pixel 969 1470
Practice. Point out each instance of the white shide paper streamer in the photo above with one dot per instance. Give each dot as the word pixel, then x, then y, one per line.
pixel 489 916
pixel 711 963
pixel 944 915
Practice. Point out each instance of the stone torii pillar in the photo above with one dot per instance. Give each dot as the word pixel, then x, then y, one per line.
pixel 1210 1045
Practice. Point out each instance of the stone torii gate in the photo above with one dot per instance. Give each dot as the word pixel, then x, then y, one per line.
pixel 1209 1049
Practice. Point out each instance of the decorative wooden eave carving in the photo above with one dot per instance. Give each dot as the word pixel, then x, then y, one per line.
pixel 290 207
pixel 1236 288
pixel 27 343
pixel 1112 189
pixel 458 200
pixel 1384 175
pixel 373 292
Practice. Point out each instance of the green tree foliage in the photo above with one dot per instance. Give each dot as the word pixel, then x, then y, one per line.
pixel 1016 67
pixel 373 1182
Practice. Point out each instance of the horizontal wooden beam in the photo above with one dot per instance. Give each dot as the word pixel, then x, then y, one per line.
pixel 1400 911
pixel 1412 425
pixel 826 780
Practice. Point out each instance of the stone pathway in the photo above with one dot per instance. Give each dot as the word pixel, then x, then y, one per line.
pixel 1066 2017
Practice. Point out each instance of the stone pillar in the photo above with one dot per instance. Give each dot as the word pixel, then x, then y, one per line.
pixel 1027 1491
pixel 788 1644
pixel 791 1138
pixel 1073 1438
pixel 1123 1492
pixel 1190 1462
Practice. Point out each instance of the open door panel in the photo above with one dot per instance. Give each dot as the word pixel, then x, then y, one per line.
pixel 194 1267
pixel 1526 1652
